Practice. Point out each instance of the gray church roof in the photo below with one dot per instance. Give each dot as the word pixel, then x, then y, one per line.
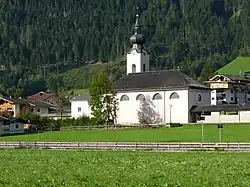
pixel 83 97
pixel 160 80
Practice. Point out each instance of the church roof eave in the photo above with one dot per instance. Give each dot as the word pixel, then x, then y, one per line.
pixel 159 80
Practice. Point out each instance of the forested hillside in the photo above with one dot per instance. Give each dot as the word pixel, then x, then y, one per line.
pixel 41 38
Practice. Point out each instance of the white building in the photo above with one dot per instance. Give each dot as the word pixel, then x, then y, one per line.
pixel 80 106
pixel 160 97
pixel 228 89
pixel 167 96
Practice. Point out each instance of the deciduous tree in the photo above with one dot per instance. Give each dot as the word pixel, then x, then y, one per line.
pixel 103 101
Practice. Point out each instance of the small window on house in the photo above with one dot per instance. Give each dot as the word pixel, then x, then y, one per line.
pixel 140 97
pixel 157 97
pixel 32 109
pixel 38 110
pixel 174 96
pixel 124 98
pixel 17 126
pixel 79 109
pixel 144 67
pixel 232 91
pixel 232 98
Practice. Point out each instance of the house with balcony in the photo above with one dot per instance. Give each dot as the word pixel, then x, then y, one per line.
pixel 13 106
pixel 229 89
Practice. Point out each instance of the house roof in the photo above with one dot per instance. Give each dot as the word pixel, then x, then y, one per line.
pixel 36 103
pixel 231 78
pixel 83 97
pixel 171 79
pixel 15 100
pixel 219 108
pixel 16 120
pixel 39 103
pixel 41 96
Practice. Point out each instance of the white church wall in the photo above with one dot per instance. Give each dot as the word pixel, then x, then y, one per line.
pixel 79 109
pixel 176 110
pixel 137 59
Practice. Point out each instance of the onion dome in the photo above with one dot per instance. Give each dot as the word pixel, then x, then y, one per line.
pixel 138 37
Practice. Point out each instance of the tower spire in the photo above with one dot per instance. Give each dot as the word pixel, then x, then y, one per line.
pixel 137 57
pixel 137 24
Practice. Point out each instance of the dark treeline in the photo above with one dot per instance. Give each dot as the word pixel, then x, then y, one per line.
pixel 42 38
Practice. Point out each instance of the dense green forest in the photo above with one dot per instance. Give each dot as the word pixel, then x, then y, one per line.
pixel 41 39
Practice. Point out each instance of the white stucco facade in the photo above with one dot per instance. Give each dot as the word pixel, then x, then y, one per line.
pixel 217 117
pixel 171 105
pixel 174 110
pixel 80 109
pixel 137 61
pixel 43 111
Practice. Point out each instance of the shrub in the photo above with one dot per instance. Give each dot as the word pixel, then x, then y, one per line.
pixel 175 125
pixel 83 121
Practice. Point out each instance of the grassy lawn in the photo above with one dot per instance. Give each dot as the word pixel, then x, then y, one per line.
pixel 188 133
pixel 122 168
pixel 236 67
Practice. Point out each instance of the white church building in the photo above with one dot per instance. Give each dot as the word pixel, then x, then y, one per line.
pixel 160 96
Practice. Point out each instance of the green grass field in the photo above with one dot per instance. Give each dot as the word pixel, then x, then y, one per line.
pixel 122 168
pixel 236 67
pixel 187 133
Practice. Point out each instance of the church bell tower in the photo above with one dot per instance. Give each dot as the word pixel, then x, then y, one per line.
pixel 137 57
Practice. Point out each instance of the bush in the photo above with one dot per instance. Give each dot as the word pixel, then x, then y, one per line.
pixel 83 121
pixel 175 125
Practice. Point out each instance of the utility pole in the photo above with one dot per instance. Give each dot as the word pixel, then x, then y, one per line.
pixel 220 126
pixel 170 113
pixel 202 127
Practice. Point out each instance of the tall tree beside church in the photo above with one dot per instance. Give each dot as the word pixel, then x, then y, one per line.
pixel 103 101
pixel 61 102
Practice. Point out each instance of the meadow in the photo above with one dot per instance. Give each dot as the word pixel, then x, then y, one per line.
pixel 122 168
pixel 237 67
pixel 187 133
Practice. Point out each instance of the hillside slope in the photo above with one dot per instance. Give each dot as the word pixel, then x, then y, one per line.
pixel 237 67
pixel 43 38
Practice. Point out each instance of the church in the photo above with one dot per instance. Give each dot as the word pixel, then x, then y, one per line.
pixel 160 97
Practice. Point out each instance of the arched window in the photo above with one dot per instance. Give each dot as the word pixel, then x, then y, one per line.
pixel 124 98
pixel 174 96
pixel 133 68
pixel 157 97
pixel 140 97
